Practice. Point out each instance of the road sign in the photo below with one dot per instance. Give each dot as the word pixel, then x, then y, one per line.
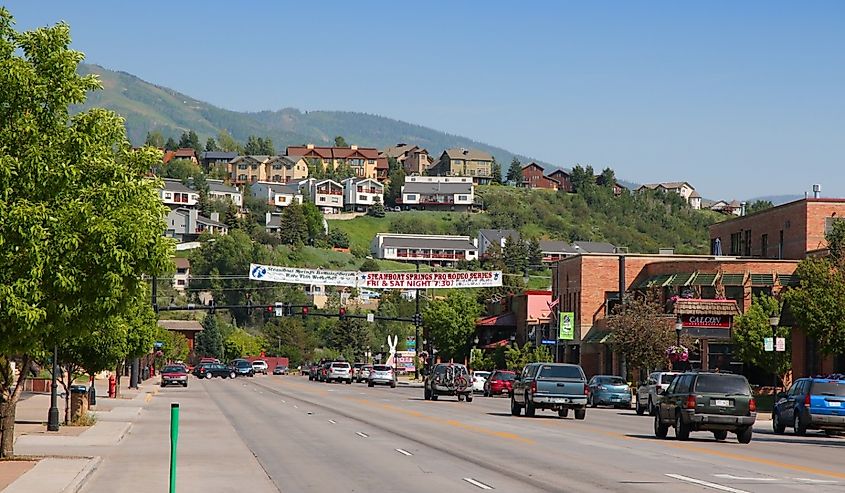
pixel 780 344
pixel 549 342
pixel 279 309
pixel 410 343
pixel 768 344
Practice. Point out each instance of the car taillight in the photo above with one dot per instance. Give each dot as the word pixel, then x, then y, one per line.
pixel 807 400
pixel 752 406
pixel 586 390
pixel 534 387
pixel 690 401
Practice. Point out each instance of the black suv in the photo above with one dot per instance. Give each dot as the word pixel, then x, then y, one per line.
pixel 702 401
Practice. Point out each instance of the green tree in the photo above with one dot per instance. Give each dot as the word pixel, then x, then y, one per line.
pixel 315 228
pixel 641 332
pixel 496 171
pixel 350 337
pixel 339 239
pixel 77 236
pixel 377 209
pixel 211 145
pixel 259 146
pixel 339 141
pixel 288 336
pixel 752 327
pixel 607 178
pixel 181 169
pixel 225 142
pixel 154 139
pixel 534 254
pixel 759 205
pixel 170 145
pixel 190 139
pixel 210 340
pixel 515 255
pixel 816 303
pixel 294 229
pixel 241 343
pixel 450 322
pixel 369 265
pixel 517 357
pixel 394 190
pixel 515 172
pixel 393 165
pixel 174 347
pixel 582 178
pixel 836 243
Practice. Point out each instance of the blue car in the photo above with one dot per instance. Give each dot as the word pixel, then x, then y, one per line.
pixel 811 404
pixel 609 390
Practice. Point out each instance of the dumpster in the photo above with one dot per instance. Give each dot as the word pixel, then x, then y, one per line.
pixel 78 401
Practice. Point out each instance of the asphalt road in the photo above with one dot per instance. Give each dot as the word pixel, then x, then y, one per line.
pixel 315 437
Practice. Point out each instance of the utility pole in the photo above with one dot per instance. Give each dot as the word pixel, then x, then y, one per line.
pixel 417 329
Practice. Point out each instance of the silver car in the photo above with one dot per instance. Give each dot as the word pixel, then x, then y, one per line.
pixel 382 375
pixel 648 393
pixel 363 373
pixel 339 371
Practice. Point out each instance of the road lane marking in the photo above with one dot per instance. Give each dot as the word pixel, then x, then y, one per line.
pixel 478 484
pixel 362 435
pixel 743 478
pixel 706 484
pixel 403 452
pixel 332 421
pixel 826 481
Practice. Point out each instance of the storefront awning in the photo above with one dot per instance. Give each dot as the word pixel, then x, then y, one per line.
pixel 681 279
pixel 762 280
pixel 703 279
pixel 503 320
pixel 788 280
pixel 706 307
pixel 497 344
pixel 654 281
pixel 733 279
pixel 596 336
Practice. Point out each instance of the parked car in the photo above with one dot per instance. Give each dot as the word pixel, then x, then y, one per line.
pixel 609 390
pixel 382 375
pixel 195 371
pixel 339 371
pixel 355 368
pixel 280 370
pixel 313 371
pixel 209 370
pixel 556 386
pixel 811 404
pixel 479 378
pixel 243 368
pixel 324 372
pixel 260 366
pixel 209 360
pixel 704 401
pixel 498 383
pixel 448 379
pixel 363 373
pixel 174 374
pixel 648 393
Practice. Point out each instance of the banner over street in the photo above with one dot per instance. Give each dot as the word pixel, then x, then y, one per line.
pixel 378 280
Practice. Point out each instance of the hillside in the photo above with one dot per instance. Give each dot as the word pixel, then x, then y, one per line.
pixel 146 107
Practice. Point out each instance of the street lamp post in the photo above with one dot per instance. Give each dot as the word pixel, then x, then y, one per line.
pixel 679 326
pixel 53 413
pixel 774 321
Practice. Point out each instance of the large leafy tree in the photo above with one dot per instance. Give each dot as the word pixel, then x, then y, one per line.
pixel 818 303
pixel 641 332
pixel 752 327
pixel 450 323
pixel 79 223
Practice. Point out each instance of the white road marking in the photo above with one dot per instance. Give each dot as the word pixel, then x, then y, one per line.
pixel 706 484
pixel 478 484
pixel 296 406
pixel 403 452
pixel 332 421
pixel 283 401
pixel 742 478
pixel 362 435
pixel 826 481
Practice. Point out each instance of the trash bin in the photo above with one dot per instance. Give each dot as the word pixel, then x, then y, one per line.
pixel 78 401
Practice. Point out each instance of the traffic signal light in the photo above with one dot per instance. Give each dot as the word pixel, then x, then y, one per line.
pixel 342 313
pixel 304 312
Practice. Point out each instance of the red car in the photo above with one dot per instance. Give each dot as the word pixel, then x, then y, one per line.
pixel 500 382
pixel 174 374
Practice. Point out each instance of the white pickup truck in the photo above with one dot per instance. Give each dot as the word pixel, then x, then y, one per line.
pixel 648 393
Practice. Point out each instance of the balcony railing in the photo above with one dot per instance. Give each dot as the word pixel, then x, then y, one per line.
pixel 329 192
pixel 450 256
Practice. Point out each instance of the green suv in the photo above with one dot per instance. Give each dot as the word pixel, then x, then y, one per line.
pixel 700 401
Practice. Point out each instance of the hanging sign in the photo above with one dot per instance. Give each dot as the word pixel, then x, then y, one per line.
pixel 566 326
pixel 294 275
pixel 380 280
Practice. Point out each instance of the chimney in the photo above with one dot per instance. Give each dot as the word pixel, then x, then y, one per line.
pixel 215 216
pixel 354 147
pixel 309 146
pixel 742 208
pixel 817 191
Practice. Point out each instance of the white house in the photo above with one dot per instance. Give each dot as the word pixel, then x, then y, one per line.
pixel 359 194
pixel 277 194
pixel 187 225
pixel 219 190
pixel 682 188
pixel 494 238
pixel 440 249
pixel 175 194
pixel 183 273
pixel 438 192
pixel 326 194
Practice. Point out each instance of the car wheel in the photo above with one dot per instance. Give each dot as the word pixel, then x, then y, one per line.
pixel 185 385
pixel 427 394
pixel 208 375
pixel 232 374
pixel 486 394
pixel 592 400
pixel 651 407
pixel 530 409
pixel 516 409
pixel 681 429
pixel 660 429
pixel 434 395
pixel 163 385
pixel 563 412
pixel 349 382
pixel 371 384
pixel 640 409
pixel 392 385
pixel 460 397
pixel 720 434
pixel 798 426
pixel 743 435
pixel 830 433
pixel 469 398
pixel 778 425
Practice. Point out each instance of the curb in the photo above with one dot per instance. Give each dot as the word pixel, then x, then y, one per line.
pixel 79 481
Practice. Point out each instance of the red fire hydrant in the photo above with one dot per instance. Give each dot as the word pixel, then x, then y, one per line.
pixel 112 386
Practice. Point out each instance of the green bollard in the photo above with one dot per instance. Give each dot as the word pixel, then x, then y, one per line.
pixel 174 438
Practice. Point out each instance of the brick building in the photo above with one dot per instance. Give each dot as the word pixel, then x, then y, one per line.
pixel 533 176
pixel 589 284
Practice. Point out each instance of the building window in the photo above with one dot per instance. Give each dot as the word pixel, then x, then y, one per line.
pixel 411 197
pixel 322 199
pixel 168 196
pixel 371 161
pixel 780 245
pixel 764 246
pixel 241 177
pixel 736 243
pixel 611 300
pixel 747 243
pixel 242 166
pixel 462 197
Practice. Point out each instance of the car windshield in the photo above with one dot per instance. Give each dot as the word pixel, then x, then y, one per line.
pixel 173 369
pixel 340 365
pixel 833 389
pixel 504 376
pixel 242 364
pixel 381 368
pixel 666 379
pixel 611 380
pixel 722 384
pixel 482 374
pixel 559 371
pixel 259 363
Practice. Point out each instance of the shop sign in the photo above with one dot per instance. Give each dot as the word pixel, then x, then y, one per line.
pixel 707 321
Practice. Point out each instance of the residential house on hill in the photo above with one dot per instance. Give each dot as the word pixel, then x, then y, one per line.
pixel 452 193
pixel 326 194
pixel 682 188
pixel 186 225
pixel 732 208
pixel 436 249
pixel 188 328
pixel 183 273
pixel 563 179
pixel 554 250
pixel 359 195
pixel 415 160
pixel 212 159
pixel 220 191
pixel 254 168
pixel 534 177
pixel 465 162
pixel 277 194
pixel 285 169
pixel 181 153
pixel 494 239
pixel 364 161
pixel 174 193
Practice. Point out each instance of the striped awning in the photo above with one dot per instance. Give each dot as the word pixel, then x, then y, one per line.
pixel 788 280
pixel 762 280
pixel 733 279
pixel 703 279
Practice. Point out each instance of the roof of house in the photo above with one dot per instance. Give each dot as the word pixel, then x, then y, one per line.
pixel 219 186
pixel 669 185
pixel 593 247
pixel 735 204
pixel 287 189
pixel 332 152
pixel 182 263
pixel 406 241
pixel 180 325
pixel 559 172
pixel 358 181
pixel 473 154
pixel 185 152
pixel 175 185
pixel 218 155
pixel 437 187
pixel 256 157
pixel 275 221
pixel 496 236
pixel 532 163
pixel 556 246
pixel 400 149
pixel 210 222
pixel 695 195
pixel 706 307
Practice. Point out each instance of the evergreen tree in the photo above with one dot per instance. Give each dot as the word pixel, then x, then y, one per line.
pixel 515 255
pixel 535 254
pixel 294 229
pixel 582 177
pixel 253 146
pixel 339 141
pixel 171 144
pixel 607 178
pixel 225 142
pixel 515 171
pixel 211 145
pixel 496 171
pixel 394 190
pixel 210 339
pixel 377 209
pixel 154 139
pixel 392 165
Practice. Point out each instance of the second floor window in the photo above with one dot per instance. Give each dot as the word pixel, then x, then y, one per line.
pixel 736 243
pixel 764 246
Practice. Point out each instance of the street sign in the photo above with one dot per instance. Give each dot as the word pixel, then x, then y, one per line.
pixel 279 309
pixel 410 343
pixel 780 344
pixel 768 344
pixel 548 342
pixel 371 317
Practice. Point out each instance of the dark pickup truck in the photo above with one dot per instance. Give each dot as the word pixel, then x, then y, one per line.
pixel 555 386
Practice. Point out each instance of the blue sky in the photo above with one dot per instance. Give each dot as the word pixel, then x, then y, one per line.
pixel 741 99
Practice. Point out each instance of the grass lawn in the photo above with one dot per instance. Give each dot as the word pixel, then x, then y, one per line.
pixel 361 230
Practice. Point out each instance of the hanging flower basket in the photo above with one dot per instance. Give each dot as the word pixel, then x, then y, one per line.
pixel 677 353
